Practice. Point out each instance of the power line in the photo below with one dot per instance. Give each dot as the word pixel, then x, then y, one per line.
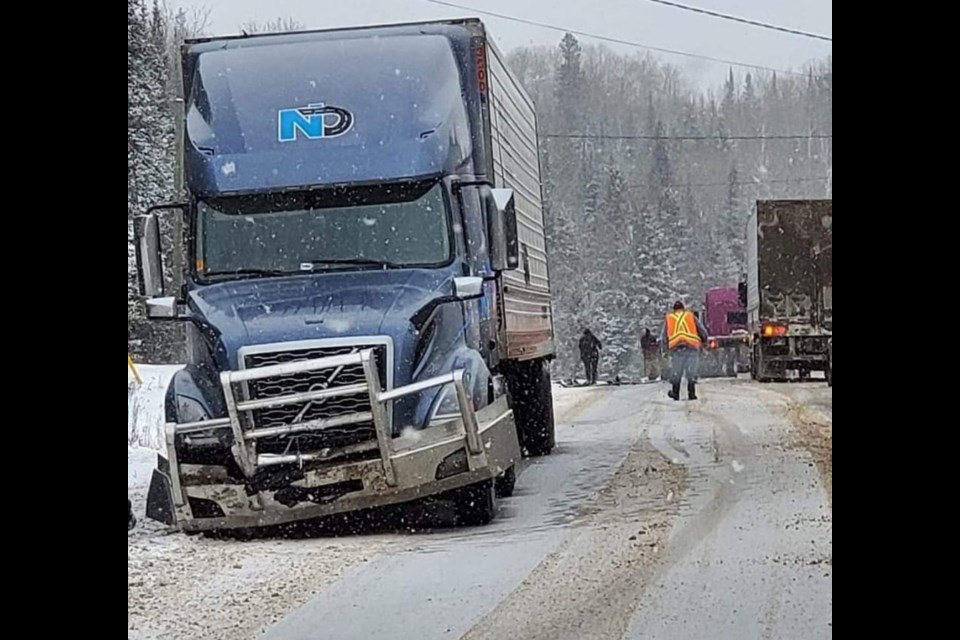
pixel 737 184
pixel 629 43
pixel 590 136
pixel 753 23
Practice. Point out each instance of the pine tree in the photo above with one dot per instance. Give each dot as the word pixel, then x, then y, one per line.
pixel 730 235
pixel 149 158
pixel 569 84
pixel 729 105
pixel 616 317
pixel 750 106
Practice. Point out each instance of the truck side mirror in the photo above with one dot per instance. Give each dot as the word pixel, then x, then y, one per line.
pixel 162 308
pixel 502 222
pixel 467 287
pixel 150 263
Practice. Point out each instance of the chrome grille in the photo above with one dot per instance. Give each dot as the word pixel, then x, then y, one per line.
pixel 332 437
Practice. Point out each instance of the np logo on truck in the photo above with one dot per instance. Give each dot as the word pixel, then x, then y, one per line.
pixel 314 121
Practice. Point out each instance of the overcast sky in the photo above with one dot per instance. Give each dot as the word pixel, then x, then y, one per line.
pixel 635 20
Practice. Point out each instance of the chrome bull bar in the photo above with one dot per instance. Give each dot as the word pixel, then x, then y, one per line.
pixel 245 432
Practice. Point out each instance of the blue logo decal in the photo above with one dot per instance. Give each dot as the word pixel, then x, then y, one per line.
pixel 314 121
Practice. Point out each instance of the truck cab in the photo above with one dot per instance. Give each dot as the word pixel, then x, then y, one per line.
pixel 360 332
pixel 726 323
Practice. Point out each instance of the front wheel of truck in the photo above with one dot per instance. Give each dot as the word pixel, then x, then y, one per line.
pixel 532 402
pixel 476 504
pixel 507 482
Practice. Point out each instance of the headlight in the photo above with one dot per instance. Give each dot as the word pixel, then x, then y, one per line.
pixel 189 410
pixel 446 407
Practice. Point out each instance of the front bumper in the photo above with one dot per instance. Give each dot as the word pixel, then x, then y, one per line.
pixel 478 446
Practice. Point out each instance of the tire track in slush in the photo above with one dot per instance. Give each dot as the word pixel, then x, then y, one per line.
pixel 581 404
pixel 694 530
pixel 593 582
pixel 726 467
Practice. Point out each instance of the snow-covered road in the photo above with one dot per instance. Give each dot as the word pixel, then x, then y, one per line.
pixel 654 519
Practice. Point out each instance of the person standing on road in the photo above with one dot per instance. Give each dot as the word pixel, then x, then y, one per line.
pixel 684 335
pixel 651 355
pixel 590 354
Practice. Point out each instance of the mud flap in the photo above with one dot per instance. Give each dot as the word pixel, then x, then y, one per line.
pixel 160 498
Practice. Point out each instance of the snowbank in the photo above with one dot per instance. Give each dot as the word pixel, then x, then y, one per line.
pixel 145 404
pixel 145 422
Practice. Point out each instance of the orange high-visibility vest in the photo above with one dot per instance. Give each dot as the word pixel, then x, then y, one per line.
pixel 682 330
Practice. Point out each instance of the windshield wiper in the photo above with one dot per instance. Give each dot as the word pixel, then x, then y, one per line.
pixel 309 265
pixel 250 273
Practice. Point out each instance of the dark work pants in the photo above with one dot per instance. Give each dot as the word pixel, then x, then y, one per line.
pixel 590 365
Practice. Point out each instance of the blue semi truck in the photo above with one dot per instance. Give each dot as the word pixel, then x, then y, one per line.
pixel 365 287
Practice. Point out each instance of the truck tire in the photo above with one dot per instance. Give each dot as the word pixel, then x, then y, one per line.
pixel 476 504
pixel 757 370
pixel 532 400
pixel 507 482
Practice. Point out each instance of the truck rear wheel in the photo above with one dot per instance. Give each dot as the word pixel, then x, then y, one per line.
pixel 532 400
pixel 758 370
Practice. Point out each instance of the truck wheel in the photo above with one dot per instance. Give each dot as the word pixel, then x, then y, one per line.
pixel 758 371
pixel 476 504
pixel 507 482
pixel 532 401
pixel 755 363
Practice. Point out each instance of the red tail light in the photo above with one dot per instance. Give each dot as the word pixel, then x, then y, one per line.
pixel 711 344
pixel 774 330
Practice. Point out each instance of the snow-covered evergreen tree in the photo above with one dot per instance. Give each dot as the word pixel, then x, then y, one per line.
pixel 149 158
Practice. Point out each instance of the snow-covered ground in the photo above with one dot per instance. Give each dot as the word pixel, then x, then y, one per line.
pixel 564 398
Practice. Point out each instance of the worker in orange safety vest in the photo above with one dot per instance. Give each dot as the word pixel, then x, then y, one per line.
pixel 683 335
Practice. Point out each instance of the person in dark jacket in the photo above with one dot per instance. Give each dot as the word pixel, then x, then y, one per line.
pixel 651 355
pixel 590 354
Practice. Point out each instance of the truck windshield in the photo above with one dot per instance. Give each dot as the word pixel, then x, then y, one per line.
pixel 401 225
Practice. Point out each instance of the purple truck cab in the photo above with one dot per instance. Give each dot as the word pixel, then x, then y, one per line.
pixel 724 313
pixel 725 318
